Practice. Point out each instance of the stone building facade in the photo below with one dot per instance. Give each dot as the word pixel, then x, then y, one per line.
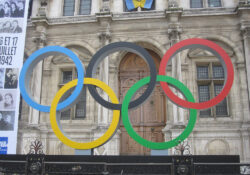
pixel 86 26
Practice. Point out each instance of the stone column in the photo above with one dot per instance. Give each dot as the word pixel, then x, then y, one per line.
pixel 245 134
pixel 174 31
pixel 246 39
pixel 104 38
pixel 36 81
pixel 104 35
pixel 173 14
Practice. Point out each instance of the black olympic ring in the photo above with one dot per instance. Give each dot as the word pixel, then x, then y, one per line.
pixel 121 46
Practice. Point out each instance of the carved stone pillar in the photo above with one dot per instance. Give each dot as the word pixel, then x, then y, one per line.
pixel 245 137
pixel 173 129
pixel 36 80
pixel 104 76
pixel 245 28
pixel 112 147
pixel 174 31
pixel 104 38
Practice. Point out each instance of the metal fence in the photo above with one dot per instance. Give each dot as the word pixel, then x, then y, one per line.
pixel 177 165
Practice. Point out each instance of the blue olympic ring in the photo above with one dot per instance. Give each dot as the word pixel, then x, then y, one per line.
pixel 30 64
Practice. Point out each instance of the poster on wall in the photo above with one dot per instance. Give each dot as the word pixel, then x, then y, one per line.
pixel 13 22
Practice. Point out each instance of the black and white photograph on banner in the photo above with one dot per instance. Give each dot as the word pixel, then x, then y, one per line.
pixel 1 78
pixel 11 26
pixel 7 99
pixel 12 8
pixel 11 78
pixel 7 119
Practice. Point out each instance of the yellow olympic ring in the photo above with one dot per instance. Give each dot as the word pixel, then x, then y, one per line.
pixel 105 137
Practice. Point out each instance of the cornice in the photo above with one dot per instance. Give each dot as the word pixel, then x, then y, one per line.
pixel 135 15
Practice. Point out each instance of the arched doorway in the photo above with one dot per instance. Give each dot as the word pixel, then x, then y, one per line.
pixel 150 118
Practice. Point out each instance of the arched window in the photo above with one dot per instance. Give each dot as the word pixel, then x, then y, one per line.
pixel 76 7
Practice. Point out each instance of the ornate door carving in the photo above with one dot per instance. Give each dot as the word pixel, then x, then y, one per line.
pixel 149 119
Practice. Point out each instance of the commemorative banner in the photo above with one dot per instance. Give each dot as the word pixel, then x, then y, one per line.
pixel 13 22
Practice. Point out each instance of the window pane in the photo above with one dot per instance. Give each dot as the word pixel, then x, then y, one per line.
pixel 196 3
pixel 217 89
pixel 69 7
pixel 152 7
pixel 202 72
pixel 85 7
pixel 65 115
pixel 218 72
pixel 81 105
pixel 125 7
pixel 214 3
pixel 204 95
pixel 67 76
pixel 221 108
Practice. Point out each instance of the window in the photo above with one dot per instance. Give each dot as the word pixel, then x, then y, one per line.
pixel 138 9
pixel 78 111
pixel 76 7
pixel 69 7
pixel 84 7
pixel 210 80
pixel 214 3
pixel 205 3
pixel 196 3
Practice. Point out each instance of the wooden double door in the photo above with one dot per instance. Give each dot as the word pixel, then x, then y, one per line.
pixel 148 119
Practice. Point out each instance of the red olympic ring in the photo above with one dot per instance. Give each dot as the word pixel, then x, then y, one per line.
pixel 203 105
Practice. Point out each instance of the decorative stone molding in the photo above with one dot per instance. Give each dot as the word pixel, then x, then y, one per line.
pixel 42 11
pixel 44 3
pixel 139 15
pixel 41 25
pixel 243 3
pixel 174 31
pixel 104 36
pixel 173 4
pixel 245 30
pixel 209 12
pixel 40 40
pixel 72 19
pixel 217 147
pixel 105 6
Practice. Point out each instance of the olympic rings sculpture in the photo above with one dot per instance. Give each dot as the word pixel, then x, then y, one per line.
pixel 123 108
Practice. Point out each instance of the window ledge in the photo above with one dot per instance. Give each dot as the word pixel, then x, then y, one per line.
pixel 209 11
pixel 217 118
pixel 139 15
pixel 72 19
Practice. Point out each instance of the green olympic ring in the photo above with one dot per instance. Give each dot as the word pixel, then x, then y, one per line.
pixel 158 145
